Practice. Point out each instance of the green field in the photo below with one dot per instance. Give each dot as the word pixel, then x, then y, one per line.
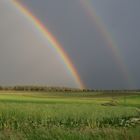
pixel 69 116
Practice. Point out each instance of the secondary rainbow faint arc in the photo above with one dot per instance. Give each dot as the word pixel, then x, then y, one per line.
pixel 91 12
pixel 59 49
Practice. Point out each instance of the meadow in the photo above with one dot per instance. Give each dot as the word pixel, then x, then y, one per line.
pixel 69 115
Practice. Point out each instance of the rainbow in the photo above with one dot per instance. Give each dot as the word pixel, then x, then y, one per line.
pixel 52 40
pixel 91 13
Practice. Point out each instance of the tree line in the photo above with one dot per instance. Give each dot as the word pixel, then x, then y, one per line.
pixel 59 89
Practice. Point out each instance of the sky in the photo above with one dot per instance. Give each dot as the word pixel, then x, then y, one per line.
pixel 26 58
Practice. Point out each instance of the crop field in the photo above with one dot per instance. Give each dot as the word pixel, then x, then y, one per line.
pixel 69 116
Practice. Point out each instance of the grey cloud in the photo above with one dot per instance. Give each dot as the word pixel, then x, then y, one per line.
pixel 86 46
pixel 26 58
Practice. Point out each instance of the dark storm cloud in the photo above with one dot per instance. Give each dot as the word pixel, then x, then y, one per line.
pixel 69 22
pixel 123 20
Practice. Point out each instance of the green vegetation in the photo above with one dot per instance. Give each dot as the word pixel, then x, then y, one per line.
pixel 69 115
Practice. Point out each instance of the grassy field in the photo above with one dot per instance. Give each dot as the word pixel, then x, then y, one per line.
pixel 69 116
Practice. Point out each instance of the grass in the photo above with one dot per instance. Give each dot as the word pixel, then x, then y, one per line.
pixel 68 116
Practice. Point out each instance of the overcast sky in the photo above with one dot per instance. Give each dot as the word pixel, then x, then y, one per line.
pixel 25 59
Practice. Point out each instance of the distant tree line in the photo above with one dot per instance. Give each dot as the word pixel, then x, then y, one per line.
pixel 39 88
pixel 59 89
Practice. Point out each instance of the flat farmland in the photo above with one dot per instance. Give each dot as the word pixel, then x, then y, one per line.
pixel 69 116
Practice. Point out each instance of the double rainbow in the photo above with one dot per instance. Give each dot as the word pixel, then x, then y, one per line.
pixel 64 56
